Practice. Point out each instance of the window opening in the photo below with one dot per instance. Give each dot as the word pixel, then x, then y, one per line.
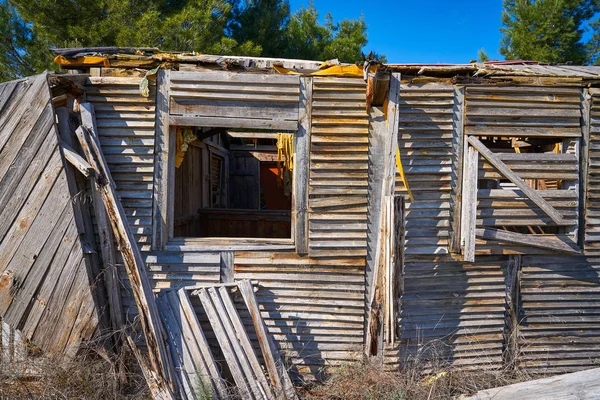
pixel 233 184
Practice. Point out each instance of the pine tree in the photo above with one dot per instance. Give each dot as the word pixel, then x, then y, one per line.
pixel 546 30
pixel 22 53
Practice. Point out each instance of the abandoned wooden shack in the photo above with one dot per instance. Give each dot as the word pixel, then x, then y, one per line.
pixel 413 213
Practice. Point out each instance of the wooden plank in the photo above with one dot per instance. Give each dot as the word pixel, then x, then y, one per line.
pixel 134 263
pixel 510 175
pixel 278 375
pixel 388 125
pixel 163 163
pixel 108 256
pixel 191 323
pixel 179 76
pixel 583 385
pixel 180 353
pixel 225 344
pixel 584 167
pixel 469 208
pixel 301 163
pixel 242 123
pixel 244 340
pixel 458 116
pixel 226 266
pixel 234 340
pixel 76 160
pixel 563 244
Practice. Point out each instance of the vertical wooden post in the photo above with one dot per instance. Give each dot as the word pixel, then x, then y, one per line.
pixel 457 167
pixel 586 111
pixel 511 321
pixel 162 163
pixel 301 168
pixel 469 207
pixel 384 136
pixel 226 270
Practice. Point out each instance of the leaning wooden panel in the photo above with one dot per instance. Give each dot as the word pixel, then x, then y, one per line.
pixel 39 237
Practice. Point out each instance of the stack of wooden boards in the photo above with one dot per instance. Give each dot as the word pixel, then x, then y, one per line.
pixel 199 373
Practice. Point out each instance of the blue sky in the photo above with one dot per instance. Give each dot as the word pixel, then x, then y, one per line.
pixel 423 31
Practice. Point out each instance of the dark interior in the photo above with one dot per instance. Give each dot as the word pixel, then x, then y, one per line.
pixel 228 186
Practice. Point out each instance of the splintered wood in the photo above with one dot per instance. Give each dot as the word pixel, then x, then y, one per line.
pixel 199 374
pixel 162 382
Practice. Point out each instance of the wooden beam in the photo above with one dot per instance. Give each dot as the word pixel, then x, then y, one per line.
pixel 583 385
pixel 278 375
pixel 385 126
pixel 164 374
pixel 458 146
pixel 469 204
pixel 222 122
pixel 520 183
pixel 561 244
pixel 301 166
pixel 586 127
pixel 163 163
pixel 76 160
pixel 511 319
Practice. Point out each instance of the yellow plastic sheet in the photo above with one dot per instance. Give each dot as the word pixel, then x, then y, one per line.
pixel 83 61
pixel 402 175
pixel 284 71
pixel 341 70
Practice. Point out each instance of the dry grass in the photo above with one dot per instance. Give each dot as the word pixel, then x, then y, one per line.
pixel 94 374
pixel 364 381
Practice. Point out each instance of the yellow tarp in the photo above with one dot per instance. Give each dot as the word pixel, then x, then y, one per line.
pixel 341 70
pixel 83 61
pixel 284 71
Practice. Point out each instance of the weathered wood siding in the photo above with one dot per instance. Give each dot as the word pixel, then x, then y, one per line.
pixel 592 214
pixel 126 122
pixel 313 307
pixel 425 139
pixel 559 328
pixel 44 275
pixel 453 311
pixel 339 162
pixel 235 100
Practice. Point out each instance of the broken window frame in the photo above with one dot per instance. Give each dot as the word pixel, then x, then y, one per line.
pixel 473 151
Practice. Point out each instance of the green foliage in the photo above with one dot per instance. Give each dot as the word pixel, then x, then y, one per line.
pixel 263 22
pixel 229 27
pixel 546 30
pixel 22 53
pixel 482 56
pixel 306 38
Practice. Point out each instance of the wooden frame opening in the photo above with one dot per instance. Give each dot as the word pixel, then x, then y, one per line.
pixel 233 184
pixel 198 101
pixel 521 171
